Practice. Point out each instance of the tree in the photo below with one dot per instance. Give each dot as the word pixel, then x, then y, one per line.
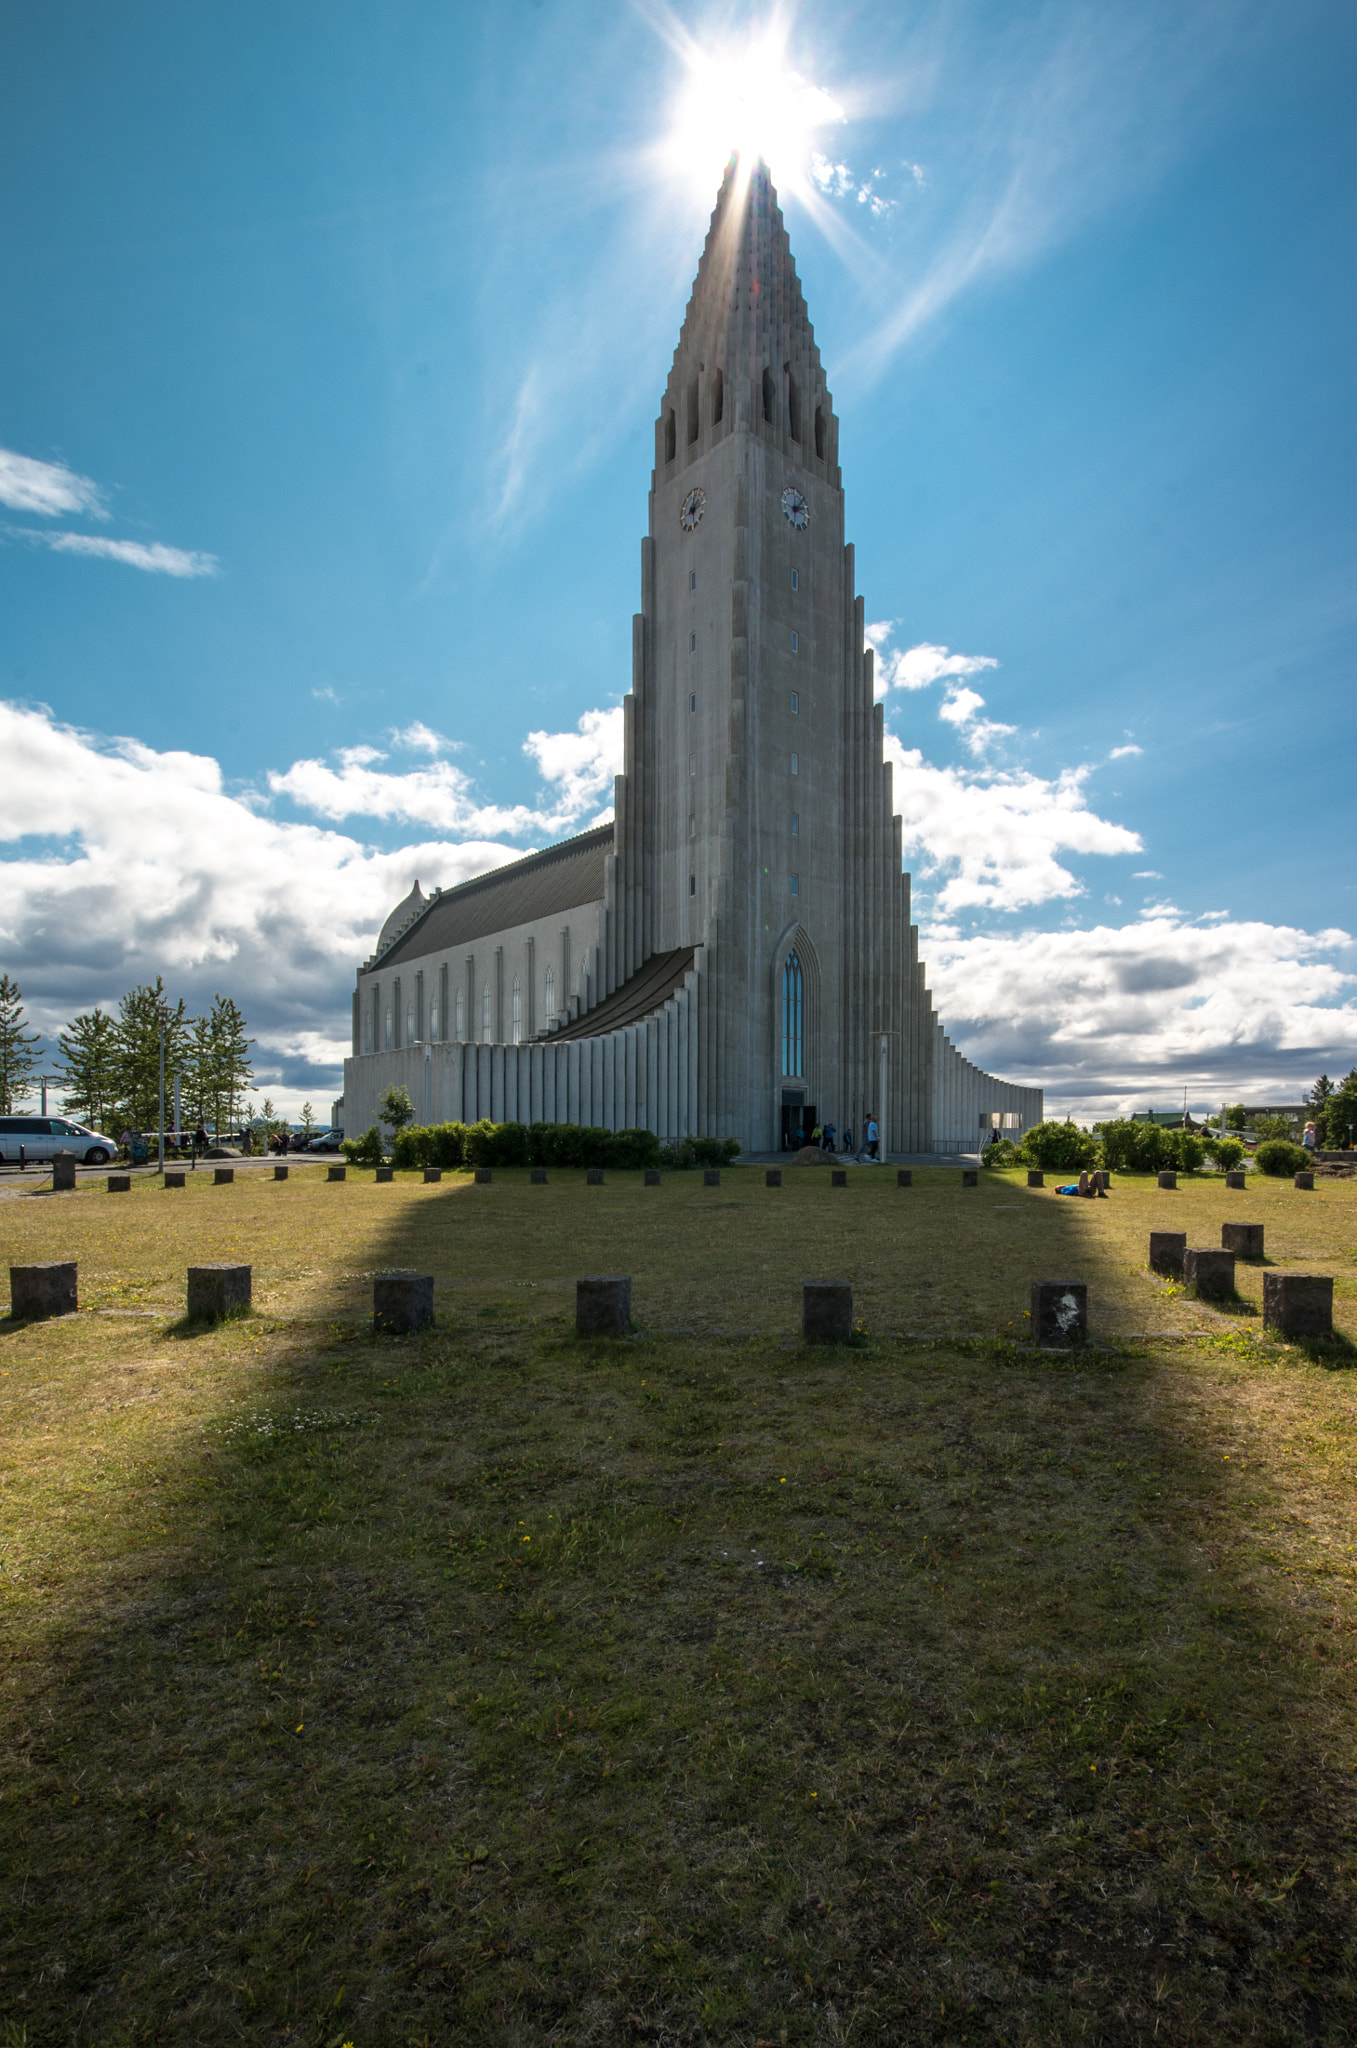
pixel 1265 1127
pixel 1236 1118
pixel 17 1058
pixel 142 1014
pixel 1320 1093
pixel 1060 1148
pixel 308 1121
pixel 396 1108
pixel 1337 1120
pixel 90 1080
pixel 217 1063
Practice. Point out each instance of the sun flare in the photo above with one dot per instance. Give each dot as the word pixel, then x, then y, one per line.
pixel 745 98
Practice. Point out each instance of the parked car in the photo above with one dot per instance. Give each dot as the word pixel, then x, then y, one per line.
pixel 43 1136
pixel 328 1141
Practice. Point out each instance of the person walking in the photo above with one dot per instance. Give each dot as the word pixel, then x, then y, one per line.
pixel 199 1143
pixel 873 1140
pixel 829 1137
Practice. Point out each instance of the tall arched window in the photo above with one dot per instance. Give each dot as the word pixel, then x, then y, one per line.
pixel 409 1023
pixel 433 1016
pixel 694 416
pixel 769 397
pixel 793 409
pixel 388 1027
pixel 459 1019
pixel 517 1012
pixel 718 398
pixel 820 432
pixel 367 1031
pixel 549 994
pixel 670 435
pixel 793 1056
pixel 485 1015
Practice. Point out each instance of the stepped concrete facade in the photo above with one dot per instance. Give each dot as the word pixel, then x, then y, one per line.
pixel 733 955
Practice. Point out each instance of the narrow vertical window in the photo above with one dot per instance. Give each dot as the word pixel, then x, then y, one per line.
pixel 796 825
pixel 409 1023
pixel 517 1012
pixel 792 1050
pixel 692 643
pixel 796 764
pixel 796 579
pixel 793 408
pixel 692 764
pixel 367 1031
pixel 718 398
pixel 694 421
pixel 796 643
pixel 769 398
pixel 670 435
pixel 549 993
pixel 485 1015
pixel 388 1027
pixel 796 885
pixel 692 702
pixel 692 885
pixel 459 1019
pixel 692 824
pixel 692 579
pixel 796 702
pixel 820 432
pixel 433 1017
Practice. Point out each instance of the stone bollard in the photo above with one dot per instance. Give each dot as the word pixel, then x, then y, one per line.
pixel 1166 1252
pixel 904 1177
pixel 482 1176
pixel 594 1177
pixel 826 1311
pixel 602 1308
pixel 537 1177
pixel 383 1175
pixel 1035 1177
pixel 222 1176
pixel 1168 1180
pixel 773 1177
pixel 1234 1180
pixel 63 1170
pixel 970 1178
pixel 280 1172
pixel 1059 1312
pixel 176 1180
pixel 652 1176
pixel 1210 1272
pixel 121 1183
pixel 1245 1240
pixel 1298 1304
pixel 337 1173
pixel 711 1177
pixel 838 1178
pixel 37 1292
pixel 401 1302
pixel 1102 1179
pixel 217 1291
pixel 432 1174
pixel 1305 1180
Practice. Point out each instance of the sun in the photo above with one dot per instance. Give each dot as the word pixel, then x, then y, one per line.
pixel 745 98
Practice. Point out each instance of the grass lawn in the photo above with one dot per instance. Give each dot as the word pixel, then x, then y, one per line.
pixel 487 1687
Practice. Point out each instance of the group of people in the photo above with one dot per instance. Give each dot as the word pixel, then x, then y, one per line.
pixel 825 1138
pixel 136 1146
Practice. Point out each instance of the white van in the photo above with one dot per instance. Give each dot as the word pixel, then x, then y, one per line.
pixel 43 1136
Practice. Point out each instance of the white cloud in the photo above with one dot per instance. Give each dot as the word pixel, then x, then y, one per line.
pixel 581 763
pixel 153 556
pixel 1124 1017
pixel 1120 753
pixel 1147 875
pixel 48 488
pixel 960 706
pixel 991 837
pixel 915 668
pixel 422 739
pixel 959 709
pixel 326 695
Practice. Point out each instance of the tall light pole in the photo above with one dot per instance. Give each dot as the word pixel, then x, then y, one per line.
pixel 160 1164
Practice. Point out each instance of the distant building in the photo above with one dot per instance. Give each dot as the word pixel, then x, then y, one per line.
pixel 733 956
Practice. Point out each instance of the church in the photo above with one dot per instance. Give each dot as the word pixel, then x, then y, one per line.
pixel 733 955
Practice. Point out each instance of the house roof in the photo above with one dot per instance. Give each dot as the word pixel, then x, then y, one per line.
pixel 540 885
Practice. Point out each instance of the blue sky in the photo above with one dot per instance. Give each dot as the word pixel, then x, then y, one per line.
pixel 361 317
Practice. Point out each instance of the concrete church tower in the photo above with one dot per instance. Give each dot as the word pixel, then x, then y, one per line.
pixel 736 957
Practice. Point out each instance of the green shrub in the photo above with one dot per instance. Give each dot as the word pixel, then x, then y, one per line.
pixel 690 1152
pixel 1131 1146
pixel 429 1145
pixel 1183 1150
pixel 1000 1152
pixel 1265 1127
pixel 635 1148
pixel 488 1144
pixel 1059 1148
pixel 364 1151
pixel 1280 1158
pixel 1226 1152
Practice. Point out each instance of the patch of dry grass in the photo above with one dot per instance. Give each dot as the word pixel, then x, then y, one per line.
pixel 492 1688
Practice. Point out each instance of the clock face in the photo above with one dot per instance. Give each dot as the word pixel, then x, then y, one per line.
pixel 795 508
pixel 691 510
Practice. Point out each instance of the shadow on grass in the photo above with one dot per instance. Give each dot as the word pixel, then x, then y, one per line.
pixel 493 1687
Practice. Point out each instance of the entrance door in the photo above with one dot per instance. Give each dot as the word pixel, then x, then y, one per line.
pixel 798 1118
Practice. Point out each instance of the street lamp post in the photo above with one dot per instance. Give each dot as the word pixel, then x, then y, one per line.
pixel 160 1163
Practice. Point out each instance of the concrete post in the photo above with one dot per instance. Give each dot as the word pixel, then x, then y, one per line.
pixel 970 1177
pixel 602 1307
pixel 1298 1304
pixel 1210 1271
pixel 1166 1252
pixel 1234 1180
pixel 217 1291
pixel 594 1177
pixel 432 1174
pixel 401 1303
pixel 826 1311
pixel 1245 1240
pixel 222 1176
pixel 1059 1312
pixel 483 1176
pixel 280 1172
pixel 537 1177
pixel 652 1176
pixel 838 1177
pixel 176 1180
pixel 1305 1180
pixel 1035 1177
pixel 904 1177
pixel 63 1170
pixel 773 1177
pixel 337 1173
pixel 383 1175
pixel 121 1183
pixel 1168 1180
pixel 37 1292
pixel 711 1177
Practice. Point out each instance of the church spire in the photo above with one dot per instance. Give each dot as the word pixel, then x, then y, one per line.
pixel 746 355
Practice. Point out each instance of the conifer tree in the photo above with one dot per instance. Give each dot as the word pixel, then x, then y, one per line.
pixel 227 1067
pixel 18 1061
pixel 141 1013
pixel 91 1059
